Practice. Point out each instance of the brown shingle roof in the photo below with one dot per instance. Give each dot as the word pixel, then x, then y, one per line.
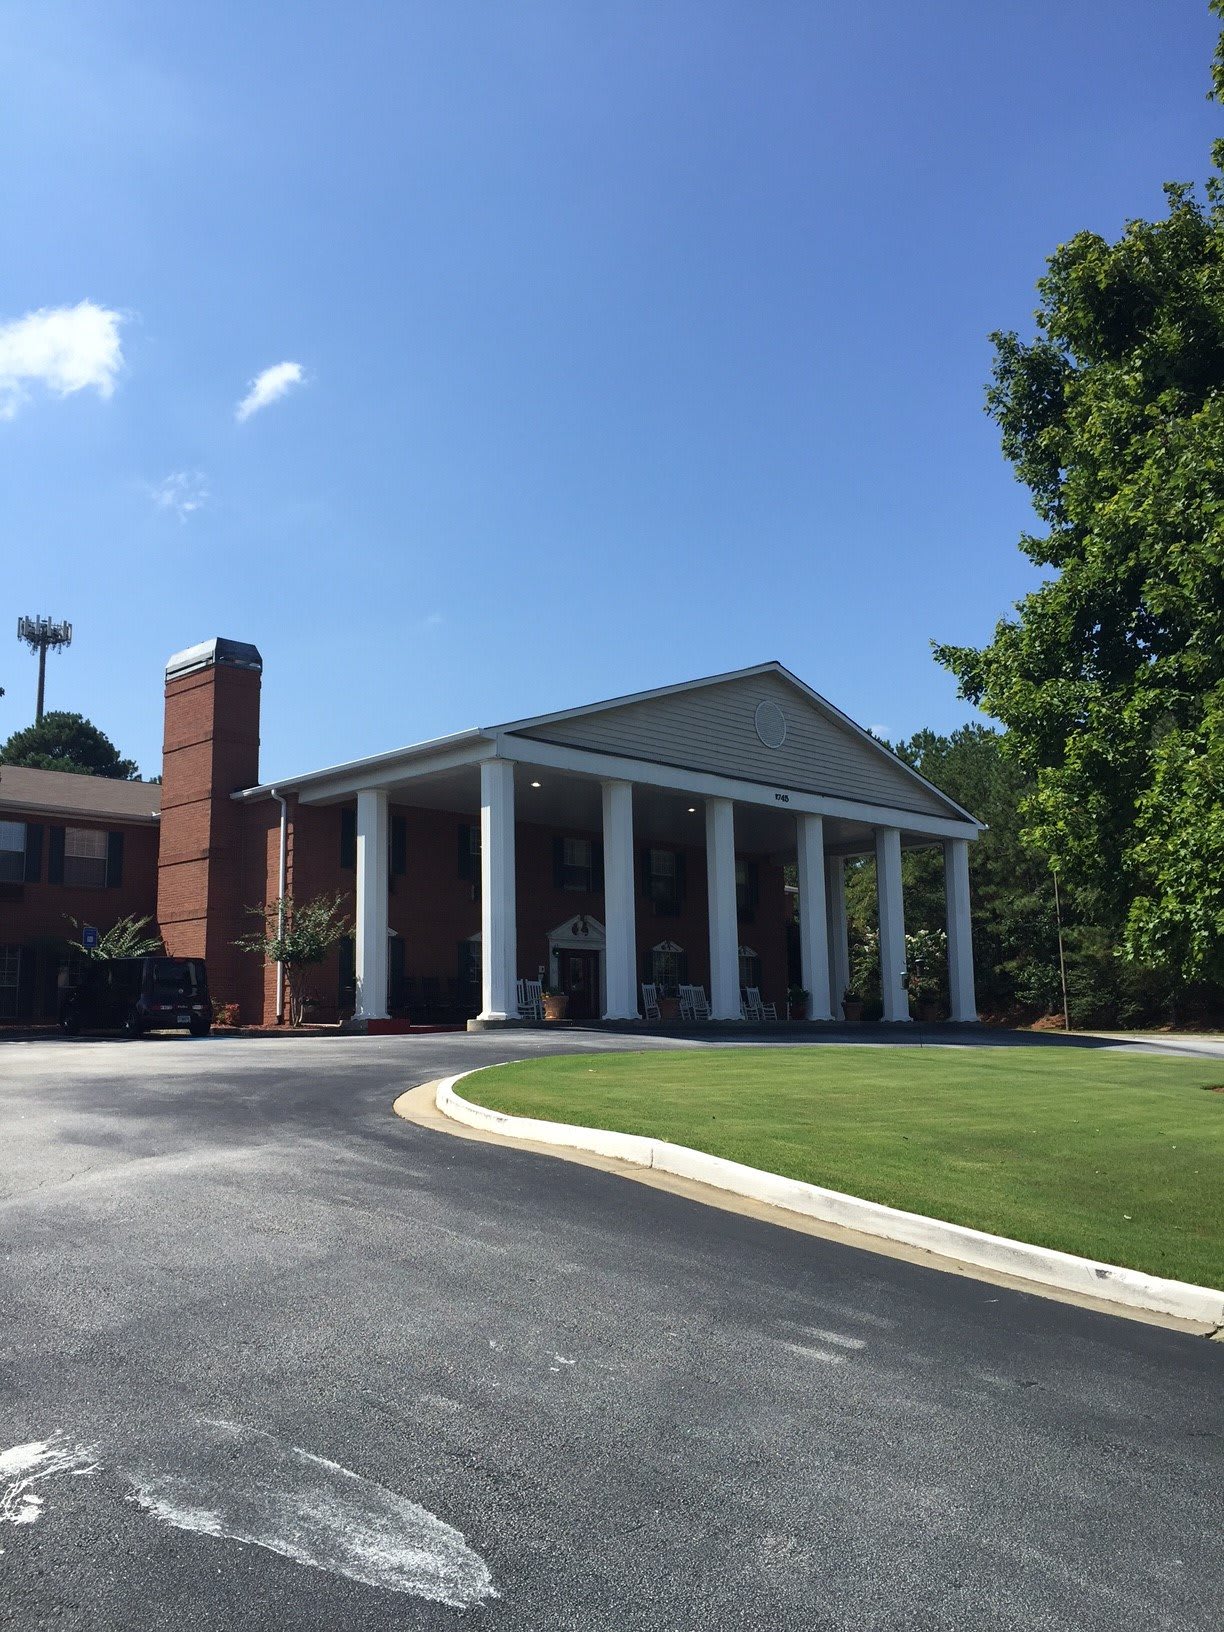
pixel 64 793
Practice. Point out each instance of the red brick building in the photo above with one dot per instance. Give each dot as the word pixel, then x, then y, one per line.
pixel 80 847
pixel 640 840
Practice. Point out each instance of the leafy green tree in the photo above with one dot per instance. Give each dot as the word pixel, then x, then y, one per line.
pixel 300 938
pixel 1110 679
pixel 68 742
pixel 127 938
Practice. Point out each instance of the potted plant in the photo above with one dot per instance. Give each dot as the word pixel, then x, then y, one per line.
pixel 555 1003
pixel 669 1007
pixel 852 1003
pixel 797 1003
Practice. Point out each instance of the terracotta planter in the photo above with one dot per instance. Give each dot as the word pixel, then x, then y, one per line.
pixel 852 1008
pixel 798 1011
pixel 555 1005
pixel 926 1012
pixel 669 1008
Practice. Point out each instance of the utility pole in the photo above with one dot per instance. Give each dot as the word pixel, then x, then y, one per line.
pixel 42 635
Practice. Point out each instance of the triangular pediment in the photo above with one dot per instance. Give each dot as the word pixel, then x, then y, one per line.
pixel 759 725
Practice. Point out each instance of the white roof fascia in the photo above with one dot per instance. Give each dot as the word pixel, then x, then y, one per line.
pixel 706 784
pixel 418 759
pixel 772 667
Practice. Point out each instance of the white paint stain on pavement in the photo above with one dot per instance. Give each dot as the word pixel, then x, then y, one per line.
pixel 24 1467
pixel 250 1487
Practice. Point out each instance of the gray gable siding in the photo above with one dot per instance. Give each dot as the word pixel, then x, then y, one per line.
pixel 711 728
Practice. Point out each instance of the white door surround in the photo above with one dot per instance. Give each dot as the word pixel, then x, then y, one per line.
pixel 580 933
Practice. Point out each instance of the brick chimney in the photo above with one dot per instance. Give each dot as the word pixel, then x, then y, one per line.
pixel 211 749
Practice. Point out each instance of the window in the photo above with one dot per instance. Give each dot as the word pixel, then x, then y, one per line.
pixel 576 864
pixel 469 852
pixel 471 997
pixel 12 852
pixel 177 980
pixel 10 976
pixel 749 967
pixel 668 968
pixel 85 857
pixel 665 881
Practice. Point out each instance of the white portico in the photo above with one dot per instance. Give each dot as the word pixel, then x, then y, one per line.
pixel 747 764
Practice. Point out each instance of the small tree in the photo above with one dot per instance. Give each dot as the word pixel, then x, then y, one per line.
pixel 298 935
pixel 124 939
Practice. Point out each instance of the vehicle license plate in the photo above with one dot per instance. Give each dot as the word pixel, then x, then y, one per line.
pixel 184 1020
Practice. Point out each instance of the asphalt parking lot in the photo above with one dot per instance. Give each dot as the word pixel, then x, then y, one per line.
pixel 279 1359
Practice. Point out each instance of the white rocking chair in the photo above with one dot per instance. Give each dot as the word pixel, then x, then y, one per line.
pixel 650 1001
pixel 757 1008
pixel 693 1004
pixel 530 1000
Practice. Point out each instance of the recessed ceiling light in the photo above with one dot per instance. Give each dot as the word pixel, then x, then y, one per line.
pixel 692 810
pixel 535 784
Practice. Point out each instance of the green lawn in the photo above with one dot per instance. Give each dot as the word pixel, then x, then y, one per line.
pixel 1118 1157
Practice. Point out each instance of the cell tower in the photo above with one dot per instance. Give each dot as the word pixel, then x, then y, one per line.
pixel 41 635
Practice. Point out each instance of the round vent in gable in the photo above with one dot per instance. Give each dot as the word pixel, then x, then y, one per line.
pixel 770 724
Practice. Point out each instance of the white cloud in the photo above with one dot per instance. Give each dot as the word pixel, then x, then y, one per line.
pixel 64 348
pixel 433 621
pixel 267 387
pixel 183 491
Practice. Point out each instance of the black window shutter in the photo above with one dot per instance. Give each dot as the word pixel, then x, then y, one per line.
pixel 33 853
pixel 558 863
pixel 597 867
pixel 467 861
pixel 395 972
pixel 682 974
pixel 114 860
pixel 348 837
pixel 25 984
pixel 399 845
pixel 680 880
pixel 347 961
pixel 55 859
pixel 747 910
pixel 647 885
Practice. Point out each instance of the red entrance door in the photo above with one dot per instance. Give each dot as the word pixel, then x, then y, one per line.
pixel 579 973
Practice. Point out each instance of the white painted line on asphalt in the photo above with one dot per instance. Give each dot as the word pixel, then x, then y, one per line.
pixel 250 1487
pixel 1042 1266
pixel 22 1467
pixel 838 1339
pixel 827 1355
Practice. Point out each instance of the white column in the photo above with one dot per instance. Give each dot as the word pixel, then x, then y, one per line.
pixel 813 926
pixel 839 933
pixel 724 926
pixel 373 839
pixel 960 930
pixel 892 923
pixel 498 917
pixel 620 924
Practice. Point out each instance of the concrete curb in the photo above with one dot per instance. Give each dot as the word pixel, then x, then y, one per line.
pixel 1043 1266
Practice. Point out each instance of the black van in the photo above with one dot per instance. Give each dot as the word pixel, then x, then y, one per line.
pixel 139 995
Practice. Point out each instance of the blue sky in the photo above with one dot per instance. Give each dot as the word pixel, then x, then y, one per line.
pixel 634 341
